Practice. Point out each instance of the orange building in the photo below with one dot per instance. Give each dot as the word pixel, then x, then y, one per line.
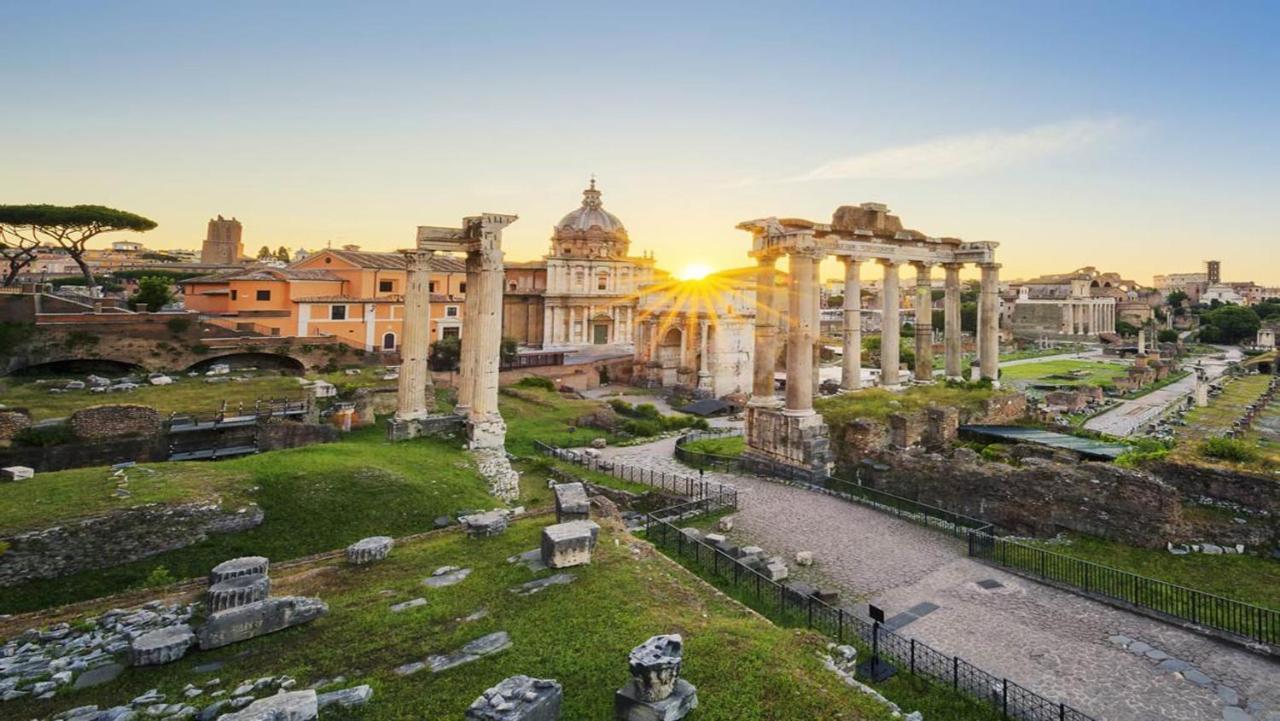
pixel 349 294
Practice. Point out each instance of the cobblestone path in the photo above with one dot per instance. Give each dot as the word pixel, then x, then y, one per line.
pixel 1108 663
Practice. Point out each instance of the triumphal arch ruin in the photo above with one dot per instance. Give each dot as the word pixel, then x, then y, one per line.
pixel 791 432
pixel 480 238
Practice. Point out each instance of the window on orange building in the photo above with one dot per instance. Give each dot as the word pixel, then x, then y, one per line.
pixel 264 295
pixel 234 294
pixel 337 312
pixel 386 286
pixel 389 341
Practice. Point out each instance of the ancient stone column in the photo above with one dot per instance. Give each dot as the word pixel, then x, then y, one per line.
pixel 704 357
pixel 415 396
pixel 800 333
pixel 889 326
pixel 851 367
pixel 924 323
pixel 485 272
pixel 766 329
pixel 989 353
pixel 467 354
pixel 953 331
pixel 817 327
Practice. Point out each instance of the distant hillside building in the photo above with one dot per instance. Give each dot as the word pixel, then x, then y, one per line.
pixel 1082 303
pixel 222 244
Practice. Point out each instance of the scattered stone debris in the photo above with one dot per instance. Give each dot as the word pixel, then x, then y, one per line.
pixel 804 558
pixel 163 645
pixel 406 605
pixel 572 503
pixel 531 559
pixel 446 576
pixel 518 698
pixel 656 690
pixel 353 697
pixel 725 525
pixel 477 649
pixel 532 587
pixel 368 550
pixel 288 706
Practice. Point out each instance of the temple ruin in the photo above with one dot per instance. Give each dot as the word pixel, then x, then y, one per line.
pixel 480 238
pixel 791 432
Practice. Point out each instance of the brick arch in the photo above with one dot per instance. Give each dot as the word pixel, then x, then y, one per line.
pixel 78 366
pixel 264 361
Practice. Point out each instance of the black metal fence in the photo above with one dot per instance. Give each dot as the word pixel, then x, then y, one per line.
pixel 845 626
pixel 688 487
pixel 1243 621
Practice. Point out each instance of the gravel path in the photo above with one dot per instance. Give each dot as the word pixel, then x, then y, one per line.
pixel 1100 660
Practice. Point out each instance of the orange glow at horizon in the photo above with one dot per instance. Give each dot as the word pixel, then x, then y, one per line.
pixel 695 271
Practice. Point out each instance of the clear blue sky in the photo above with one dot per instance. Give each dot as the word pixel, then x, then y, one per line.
pixel 1139 137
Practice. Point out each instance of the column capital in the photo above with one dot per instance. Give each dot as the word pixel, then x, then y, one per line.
pixel 888 262
pixel 989 266
pixel 953 266
pixel 922 264
pixel 849 260
pixel 417 259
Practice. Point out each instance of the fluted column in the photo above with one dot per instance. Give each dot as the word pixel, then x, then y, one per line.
pixel 415 397
pixel 889 326
pixel 486 329
pixel 851 365
pixel 704 356
pixel 467 354
pixel 802 279
pixel 766 332
pixel 924 323
pixel 989 353
pixel 953 331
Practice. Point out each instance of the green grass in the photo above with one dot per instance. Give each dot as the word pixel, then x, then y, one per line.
pixel 1041 352
pixel 878 403
pixel 1096 373
pixel 1211 422
pixel 185 395
pixel 1251 579
pixel 731 446
pixel 533 414
pixel 315 499
pixel 579 634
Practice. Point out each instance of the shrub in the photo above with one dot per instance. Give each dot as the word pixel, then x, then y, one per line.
pixel 178 326
pixel 159 576
pixel 1167 336
pixel 1229 449
pixel 41 436
pixel 643 428
pixel 536 382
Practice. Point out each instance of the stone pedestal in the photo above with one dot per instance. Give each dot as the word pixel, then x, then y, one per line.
pixel 565 545
pixel 571 502
pixel 518 698
pixel 800 442
pixel 243 566
pixel 656 692
pixel 484 525
pixel 627 707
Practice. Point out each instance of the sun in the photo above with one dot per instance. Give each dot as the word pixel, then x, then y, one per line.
pixel 694 271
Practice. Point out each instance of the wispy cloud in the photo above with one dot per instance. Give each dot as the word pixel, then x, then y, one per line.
pixel 957 155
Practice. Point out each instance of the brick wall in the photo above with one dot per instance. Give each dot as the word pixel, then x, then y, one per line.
pixel 115 421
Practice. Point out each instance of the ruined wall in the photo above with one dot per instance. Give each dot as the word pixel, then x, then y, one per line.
pixel 117 538
pixel 1038 497
pixel 115 421
pixel 87 453
pixel 864 437
pixel 277 435
pixel 1248 490
pixel 12 422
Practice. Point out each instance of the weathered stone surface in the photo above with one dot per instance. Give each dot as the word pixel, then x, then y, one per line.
pixel 368 550
pixel 725 524
pixel 164 645
pixel 565 545
pixel 534 586
pixel 628 706
pixel 238 591
pixel 572 503
pixel 655 666
pixel 353 697
pixel 775 570
pixel 290 706
pixel 113 421
pixel 484 525
pixel 804 558
pixel 16 473
pixel 446 576
pixel 518 698
pixel 477 649
pixel 243 566
pixel 406 605
pixel 12 422
pixel 258 618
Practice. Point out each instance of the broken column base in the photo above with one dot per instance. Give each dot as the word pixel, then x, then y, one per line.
pixel 487 437
pixel 798 443
pixel 627 705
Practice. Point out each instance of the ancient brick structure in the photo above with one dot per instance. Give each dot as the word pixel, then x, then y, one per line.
pixel 115 421
pixel 12 422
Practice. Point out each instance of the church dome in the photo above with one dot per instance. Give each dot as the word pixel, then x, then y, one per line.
pixel 591 215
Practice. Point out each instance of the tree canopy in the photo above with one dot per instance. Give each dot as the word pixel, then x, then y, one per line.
pixel 1229 324
pixel 153 291
pixel 68 227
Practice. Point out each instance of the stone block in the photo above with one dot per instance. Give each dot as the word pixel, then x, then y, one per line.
pixel 290 706
pixel 242 566
pixel 628 706
pixel 348 698
pixel 655 666
pixel 775 570
pixel 714 538
pixel 485 525
pixel 368 550
pixel 725 524
pixel 257 619
pixel 238 591
pixel 163 645
pixel 571 502
pixel 518 698
pixel 804 558
pixel 565 545
pixel 16 473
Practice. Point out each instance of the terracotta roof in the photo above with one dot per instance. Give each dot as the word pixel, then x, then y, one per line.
pixel 440 263
pixel 525 263
pixel 266 274
pixel 435 298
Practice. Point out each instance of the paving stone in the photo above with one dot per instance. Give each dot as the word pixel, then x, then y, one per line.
pixel 1196 676
pixel 1235 713
pixel 1229 696
pixel 406 605
pixel 447 578
pixel 1139 647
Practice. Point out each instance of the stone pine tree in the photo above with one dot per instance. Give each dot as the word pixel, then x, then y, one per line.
pixel 282 254
pixel 70 227
pixel 18 247
pixel 264 253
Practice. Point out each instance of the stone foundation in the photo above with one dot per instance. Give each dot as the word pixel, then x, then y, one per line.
pixel 487 439
pixel 405 429
pixel 800 442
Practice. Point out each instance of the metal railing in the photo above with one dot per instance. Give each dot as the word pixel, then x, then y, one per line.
pixel 693 489
pixel 533 360
pixel 845 626
pixel 1242 621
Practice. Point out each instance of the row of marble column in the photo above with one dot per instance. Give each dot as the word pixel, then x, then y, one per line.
pixel 482 319
pixel 802 330
pixel 1088 317
pixel 560 322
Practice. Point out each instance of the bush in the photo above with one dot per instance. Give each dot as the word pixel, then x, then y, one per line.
pixel 159 576
pixel 178 326
pixel 1229 449
pixel 536 382
pixel 1167 336
pixel 41 436
pixel 643 428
